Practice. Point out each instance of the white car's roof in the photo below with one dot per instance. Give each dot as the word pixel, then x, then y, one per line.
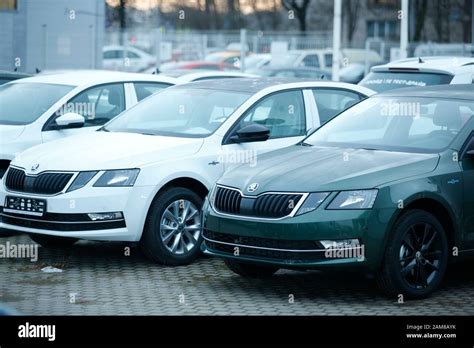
pixel 443 64
pixel 91 77
pixel 255 85
pixel 213 74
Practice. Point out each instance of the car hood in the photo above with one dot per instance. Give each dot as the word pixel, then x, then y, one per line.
pixel 10 133
pixel 309 169
pixel 103 150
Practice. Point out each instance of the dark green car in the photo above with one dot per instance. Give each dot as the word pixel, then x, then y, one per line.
pixel 386 187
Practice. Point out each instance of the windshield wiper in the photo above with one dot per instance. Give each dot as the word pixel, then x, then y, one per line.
pixel 306 144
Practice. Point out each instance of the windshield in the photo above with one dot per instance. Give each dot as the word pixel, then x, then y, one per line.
pixel 24 103
pixel 384 81
pixel 182 112
pixel 396 124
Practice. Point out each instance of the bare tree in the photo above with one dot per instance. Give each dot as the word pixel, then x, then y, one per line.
pixel 351 15
pixel 300 8
pixel 421 9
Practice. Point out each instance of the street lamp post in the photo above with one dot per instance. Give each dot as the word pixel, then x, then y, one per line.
pixel 336 39
pixel 404 30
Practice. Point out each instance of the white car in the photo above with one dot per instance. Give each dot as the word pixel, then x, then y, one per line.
pixel 42 108
pixel 418 72
pixel 126 58
pixel 212 75
pixel 143 176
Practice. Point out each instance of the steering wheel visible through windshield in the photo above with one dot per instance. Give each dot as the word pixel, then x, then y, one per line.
pixel 184 112
pixel 408 124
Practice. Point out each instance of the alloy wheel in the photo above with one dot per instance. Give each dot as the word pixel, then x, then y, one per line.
pixel 420 255
pixel 180 227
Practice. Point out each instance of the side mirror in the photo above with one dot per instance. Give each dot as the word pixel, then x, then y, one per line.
pixel 70 120
pixel 252 132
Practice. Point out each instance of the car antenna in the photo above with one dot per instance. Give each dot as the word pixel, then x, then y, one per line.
pixel 322 77
pixel 15 70
pixel 420 60
pixel 38 70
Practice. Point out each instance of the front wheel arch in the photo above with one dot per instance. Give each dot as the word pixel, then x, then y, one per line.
pixel 433 205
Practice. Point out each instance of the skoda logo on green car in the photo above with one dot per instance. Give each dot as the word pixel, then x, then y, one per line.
pixel 386 186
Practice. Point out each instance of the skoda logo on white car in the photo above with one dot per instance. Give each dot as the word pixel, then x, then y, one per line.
pixel 252 187
pixel 35 167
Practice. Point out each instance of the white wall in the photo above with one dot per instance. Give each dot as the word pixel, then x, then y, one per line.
pixel 44 35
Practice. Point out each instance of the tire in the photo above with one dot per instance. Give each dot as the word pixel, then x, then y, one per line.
pixel 52 242
pixel 248 270
pixel 416 256
pixel 183 246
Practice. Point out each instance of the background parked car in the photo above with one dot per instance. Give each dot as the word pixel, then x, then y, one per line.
pixel 418 72
pixel 127 58
pixel 7 76
pixel 144 176
pixel 310 73
pixel 209 75
pixel 257 61
pixel 224 57
pixel 41 108
pixel 196 65
pixel 323 58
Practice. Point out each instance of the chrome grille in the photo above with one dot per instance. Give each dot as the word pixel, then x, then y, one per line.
pixel 45 183
pixel 267 205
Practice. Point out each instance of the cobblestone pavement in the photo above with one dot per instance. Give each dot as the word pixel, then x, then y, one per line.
pixel 105 282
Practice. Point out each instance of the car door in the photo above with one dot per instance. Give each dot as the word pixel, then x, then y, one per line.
pixel 283 113
pixel 97 104
pixel 332 101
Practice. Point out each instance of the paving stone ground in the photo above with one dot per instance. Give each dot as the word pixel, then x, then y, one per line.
pixel 105 282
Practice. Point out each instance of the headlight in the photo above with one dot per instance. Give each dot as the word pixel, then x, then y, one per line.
pixel 363 199
pixel 81 180
pixel 117 178
pixel 311 202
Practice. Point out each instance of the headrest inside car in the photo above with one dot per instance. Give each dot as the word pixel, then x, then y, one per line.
pixel 447 114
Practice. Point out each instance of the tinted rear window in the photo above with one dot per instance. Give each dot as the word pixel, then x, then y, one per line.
pixel 384 81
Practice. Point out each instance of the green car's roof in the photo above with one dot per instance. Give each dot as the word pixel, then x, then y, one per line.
pixel 465 92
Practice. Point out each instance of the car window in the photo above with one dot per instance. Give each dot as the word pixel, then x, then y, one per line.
pixel 328 60
pixel 181 112
pixel 99 104
pixel 282 113
pixel 145 89
pixel 331 102
pixel 384 81
pixel 24 103
pixel 311 60
pixel 412 124
pixel 133 55
pixel 113 54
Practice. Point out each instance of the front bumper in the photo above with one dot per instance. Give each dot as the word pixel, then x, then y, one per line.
pixel 66 214
pixel 295 242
